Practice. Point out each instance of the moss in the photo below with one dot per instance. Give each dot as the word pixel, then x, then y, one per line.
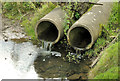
pixel 108 60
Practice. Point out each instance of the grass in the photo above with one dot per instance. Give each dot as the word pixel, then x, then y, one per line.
pixel 107 66
pixel 110 74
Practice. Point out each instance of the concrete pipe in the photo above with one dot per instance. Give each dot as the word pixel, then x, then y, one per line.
pixel 51 27
pixel 85 31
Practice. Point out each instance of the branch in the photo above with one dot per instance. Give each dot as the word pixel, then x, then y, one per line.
pixel 94 3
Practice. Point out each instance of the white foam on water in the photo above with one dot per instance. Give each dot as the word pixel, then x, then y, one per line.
pixel 46 45
pixel 22 68
pixel 48 52
pixel 16 60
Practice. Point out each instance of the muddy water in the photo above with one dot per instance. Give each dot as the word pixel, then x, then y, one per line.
pixel 55 67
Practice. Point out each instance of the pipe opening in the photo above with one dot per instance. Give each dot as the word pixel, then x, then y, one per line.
pixel 79 37
pixel 47 31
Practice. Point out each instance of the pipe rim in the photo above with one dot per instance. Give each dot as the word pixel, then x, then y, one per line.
pixel 82 26
pixel 51 21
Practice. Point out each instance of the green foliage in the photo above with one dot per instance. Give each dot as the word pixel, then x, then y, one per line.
pixel 74 12
pixel 15 10
pixel 17 7
pixel 68 17
pixel 113 21
pixel 119 13
pixel 108 60
pixel 109 74
pixel 73 57
pixel 77 15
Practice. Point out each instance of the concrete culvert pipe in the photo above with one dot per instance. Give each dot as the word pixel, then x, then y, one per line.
pixel 83 33
pixel 51 27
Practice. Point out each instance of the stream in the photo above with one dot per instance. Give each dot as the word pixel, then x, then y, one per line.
pixel 27 61
pixel 21 59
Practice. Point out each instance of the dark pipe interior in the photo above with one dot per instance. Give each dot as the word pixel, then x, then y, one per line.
pixel 79 37
pixel 47 31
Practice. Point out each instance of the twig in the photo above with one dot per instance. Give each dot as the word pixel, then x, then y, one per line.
pixel 94 3
pixel 97 59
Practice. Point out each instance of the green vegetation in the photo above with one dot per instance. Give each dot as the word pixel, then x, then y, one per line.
pixel 74 12
pixel 119 13
pixel 15 10
pixel 110 74
pixel 108 64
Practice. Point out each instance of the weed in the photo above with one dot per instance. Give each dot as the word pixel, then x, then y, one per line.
pixel 74 12
pixel 17 7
